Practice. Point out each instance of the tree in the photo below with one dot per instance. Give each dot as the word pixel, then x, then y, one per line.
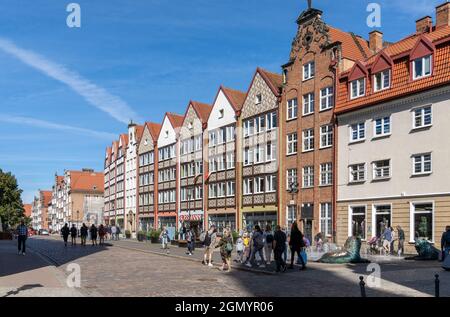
pixel 11 206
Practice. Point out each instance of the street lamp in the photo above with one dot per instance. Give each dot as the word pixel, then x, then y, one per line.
pixel 78 219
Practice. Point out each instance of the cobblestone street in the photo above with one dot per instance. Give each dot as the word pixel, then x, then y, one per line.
pixel 129 268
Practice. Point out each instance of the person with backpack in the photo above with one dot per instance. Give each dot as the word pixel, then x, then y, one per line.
pixel 83 234
pixel 445 243
pixel 65 232
pixel 296 244
pixel 257 247
pixel 279 245
pixel 164 237
pixel 73 234
pixel 226 247
pixel 190 238
pixel 93 232
pixel 268 244
pixel 209 243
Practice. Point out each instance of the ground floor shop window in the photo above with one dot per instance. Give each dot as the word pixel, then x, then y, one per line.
pixel 422 221
pixel 261 219
pixel 358 222
pixel 291 216
pixel 382 216
pixel 169 222
pixel 146 224
pixel 223 221
pixel 326 213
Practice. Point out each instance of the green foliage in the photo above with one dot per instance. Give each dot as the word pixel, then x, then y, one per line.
pixel 154 234
pixel 11 206
pixel 235 236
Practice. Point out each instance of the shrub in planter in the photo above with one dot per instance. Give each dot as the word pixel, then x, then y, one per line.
pixel 141 235
pixel 148 236
pixel 127 234
pixel 154 235
pixel 235 236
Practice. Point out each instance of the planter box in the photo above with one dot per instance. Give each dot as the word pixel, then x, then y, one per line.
pixel 5 236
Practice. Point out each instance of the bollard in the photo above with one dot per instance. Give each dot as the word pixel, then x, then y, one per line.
pixel 362 285
pixel 436 286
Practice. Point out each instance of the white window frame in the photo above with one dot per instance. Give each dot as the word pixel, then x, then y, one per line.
pixel 350 218
pixel 270 182
pixel 360 83
pixel 308 104
pixel 411 219
pixel 375 168
pixel 422 156
pixel 351 181
pixel 383 124
pixel 422 116
pixel 358 132
pixel 291 176
pixel 309 70
pixel 327 95
pixel 290 144
pixel 292 109
pixel 422 60
pixel 382 75
pixel 326 135
pixel 329 217
pixel 374 216
pixel 308 178
pixel 308 139
pixel 328 174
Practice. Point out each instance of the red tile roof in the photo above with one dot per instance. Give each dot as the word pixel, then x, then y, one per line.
pixel 175 119
pixel 202 109
pixel 154 129
pixel 47 196
pixel 235 97
pixel 353 47
pixel 401 83
pixel 27 210
pixel 275 81
pixel 86 181
pixel 139 131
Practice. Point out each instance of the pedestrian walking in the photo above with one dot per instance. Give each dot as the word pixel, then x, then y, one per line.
pixel 83 234
pixel 445 243
pixel 22 235
pixel 279 245
pixel 94 232
pixel 183 232
pixel 257 247
pixel 101 234
pixel 65 232
pixel 108 233
pixel 286 247
pixel 393 239
pixel 164 238
pixel 296 244
pixel 209 242
pixel 73 235
pixel 247 248
pixel 268 244
pixel 113 233
pixel 401 240
pixel 387 237
pixel 240 247
pixel 226 247
pixel 118 231
pixel 190 238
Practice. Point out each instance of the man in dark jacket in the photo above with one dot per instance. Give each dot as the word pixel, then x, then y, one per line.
pixel 445 242
pixel 73 234
pixel 279 245
pixel 65 232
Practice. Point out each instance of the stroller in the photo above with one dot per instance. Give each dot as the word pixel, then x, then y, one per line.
pixel 374 246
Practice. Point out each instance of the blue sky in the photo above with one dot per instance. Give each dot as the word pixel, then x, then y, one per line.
pixel 66 92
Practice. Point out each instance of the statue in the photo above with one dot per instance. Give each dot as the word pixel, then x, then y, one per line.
pixel 350 254
pixel 425 250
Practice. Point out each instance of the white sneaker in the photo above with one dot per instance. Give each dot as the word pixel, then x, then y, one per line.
pixel 210 265
pixel 23 253
pixel 262 266
pixel 248 265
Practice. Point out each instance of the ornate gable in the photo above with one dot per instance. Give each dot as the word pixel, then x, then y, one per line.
pixel 146 143
pixel 192 125
pixel 268 100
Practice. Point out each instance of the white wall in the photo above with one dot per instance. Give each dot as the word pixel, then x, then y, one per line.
pixel 398 147
pixel 171 137
pixel 229 117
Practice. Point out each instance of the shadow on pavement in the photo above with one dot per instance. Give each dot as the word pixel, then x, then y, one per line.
pixel 21 289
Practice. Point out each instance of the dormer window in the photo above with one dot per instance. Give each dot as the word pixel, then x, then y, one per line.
pixel 258 99
pixel 221 113
pixel 167 134
pixel 422 67
pixel 285 74
pixel 382 80
pixel 358 88
pixel 190 125
pixel 309 71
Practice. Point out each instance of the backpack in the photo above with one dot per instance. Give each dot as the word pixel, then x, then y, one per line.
pixel 229 247
pixel 259 243
pixel 207 240
pixel 269 238
pixel 202 237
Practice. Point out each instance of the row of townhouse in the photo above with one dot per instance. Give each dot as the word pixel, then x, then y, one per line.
pixel 329 142
pixel 76 197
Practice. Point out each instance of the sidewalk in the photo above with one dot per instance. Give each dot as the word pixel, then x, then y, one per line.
pixel 30 275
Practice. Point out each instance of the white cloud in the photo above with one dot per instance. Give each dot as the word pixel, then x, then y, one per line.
pixel 54 126
pixel 94 95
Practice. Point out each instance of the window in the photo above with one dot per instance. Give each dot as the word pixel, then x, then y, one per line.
pixel 291 215
pixel 221 190
pixel 422 221
pixel 258 99
pixel 248 186
pixel 382 80
pixel 358 222
pixel 292 109
pixel 326 174
pixel 230 160
pixel 357 173
pixel 422 67
pixel 221 163
pixel 231 186
pixel 308 140
pixel 422 164
pixel 308 71
pixel 382 169
pixel 292 144
pixel 326 98
pixel 259 185
pixel 221 113
pixel 212 139
pixel 358 88
pixel 326 226
pixel 422 117
pixel 291 177
pixel 230 133
pixel 212 190
pixel 248 156
pixel 259 154
pixel 308 176
pixel 326 136
pixel 357 132
pixel 271 121
pixel 382 126
pixel 382 219
pixel 198 192
pixel 271 151
pixel 271 184
pixel 222 136
pixel 198 142
pixel 308 104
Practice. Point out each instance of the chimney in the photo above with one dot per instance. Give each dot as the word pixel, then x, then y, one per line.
pixel 424 25
pixel 376 41
pixel 443 15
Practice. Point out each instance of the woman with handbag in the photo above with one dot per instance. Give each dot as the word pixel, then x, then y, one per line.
pixel 226 247
pixel 296 244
